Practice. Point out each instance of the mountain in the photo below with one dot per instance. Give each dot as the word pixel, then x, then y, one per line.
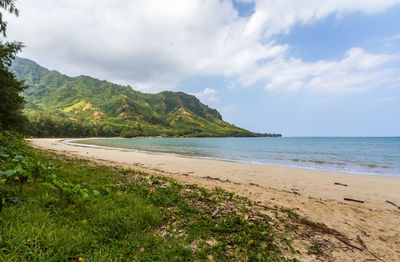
pixel 120 110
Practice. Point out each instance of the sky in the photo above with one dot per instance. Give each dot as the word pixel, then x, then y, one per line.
pixel 299 68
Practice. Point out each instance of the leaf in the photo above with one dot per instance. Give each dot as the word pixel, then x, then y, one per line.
pixel 9 172
pixel 84 195
pixel 47 186
pixel 19 158
pixel 14 201
pixel 4 155
pixel 96 193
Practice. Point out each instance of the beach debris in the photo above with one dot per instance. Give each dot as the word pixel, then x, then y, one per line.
pixel 157 182
pixel 212 242
pixel 354 200
pixel 295 191
pixel 194 247
pixel 390 202
pixel 212 178
pixel 216 212
pixel 362 243
pixel 346 242
pixel 320 227
pixel 339 184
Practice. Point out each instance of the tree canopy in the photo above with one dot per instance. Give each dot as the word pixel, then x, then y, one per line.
pixel 9 6
pixel 12 103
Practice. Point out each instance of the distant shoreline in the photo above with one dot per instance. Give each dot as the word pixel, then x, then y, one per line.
pixel 325 165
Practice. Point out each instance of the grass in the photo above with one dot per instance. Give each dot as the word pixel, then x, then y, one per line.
pixel 142 217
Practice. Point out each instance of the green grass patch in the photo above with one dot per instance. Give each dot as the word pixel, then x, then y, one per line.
pixel 134 217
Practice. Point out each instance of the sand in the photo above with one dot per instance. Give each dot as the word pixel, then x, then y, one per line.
pixel 312 193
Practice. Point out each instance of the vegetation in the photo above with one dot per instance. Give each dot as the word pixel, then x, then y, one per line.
pixel 58 208
pixel 106 109
pixel 12 103
pixel 46 125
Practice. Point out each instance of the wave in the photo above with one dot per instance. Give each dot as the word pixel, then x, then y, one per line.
pixel 265 156
pixel 324 162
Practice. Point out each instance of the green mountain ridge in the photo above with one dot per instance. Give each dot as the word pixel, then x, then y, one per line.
pixel 112 109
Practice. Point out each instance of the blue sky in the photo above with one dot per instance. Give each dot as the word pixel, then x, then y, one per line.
pixel 300 69
pixel 371 113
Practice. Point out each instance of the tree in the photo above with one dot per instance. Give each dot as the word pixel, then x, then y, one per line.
pixel 9 6
pixel 11 102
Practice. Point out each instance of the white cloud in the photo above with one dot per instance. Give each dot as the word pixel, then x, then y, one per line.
pixel 154 45
pixel 357 71
pixel 272 17
pixel 207 95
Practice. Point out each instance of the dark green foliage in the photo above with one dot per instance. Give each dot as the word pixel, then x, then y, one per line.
pixel 46 125
pixel 20 166
pixel 11 103
pixel 92 103
pixel 12 144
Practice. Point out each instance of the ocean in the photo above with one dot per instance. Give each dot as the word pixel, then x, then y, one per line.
pixel 360 155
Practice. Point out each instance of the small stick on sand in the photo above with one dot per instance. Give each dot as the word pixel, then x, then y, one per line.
pixel 345 241
pixel 362 243
pixel 390 202
pixel 354 200
pixel 339 184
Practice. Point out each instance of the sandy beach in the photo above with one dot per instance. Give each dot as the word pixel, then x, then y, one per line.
pixel 318 195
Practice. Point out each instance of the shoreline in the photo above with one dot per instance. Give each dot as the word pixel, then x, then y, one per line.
pixel 71 142
pixel 373 190
pixel 310 193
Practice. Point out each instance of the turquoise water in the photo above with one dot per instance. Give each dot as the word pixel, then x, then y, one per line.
pixel 375 156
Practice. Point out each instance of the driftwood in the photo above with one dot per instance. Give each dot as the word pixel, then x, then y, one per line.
pixel 339 236
pixel 393 204
pixel 354 200
pixel 362 243
pixel 345 241
pixel 339 184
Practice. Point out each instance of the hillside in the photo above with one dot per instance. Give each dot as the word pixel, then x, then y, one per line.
pixel 119 110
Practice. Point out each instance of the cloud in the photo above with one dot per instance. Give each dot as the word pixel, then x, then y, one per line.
pixel 155 45
pixel 207 95
pixel 144 43
pixel 357 71
pixel 273 17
